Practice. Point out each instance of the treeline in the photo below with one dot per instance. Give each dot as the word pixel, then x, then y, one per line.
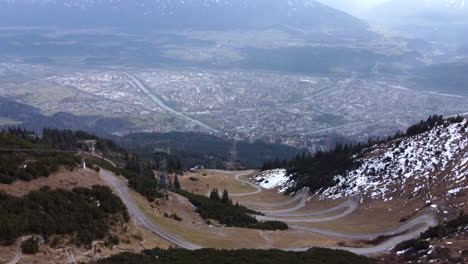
pixel 316 171
pixel 223 210
pixel 72 140
pixel 141 177
pixel 29 165
pixel 242 256
pixel 67 140
pixel 83 214
pixel 430 123
pixel 208 150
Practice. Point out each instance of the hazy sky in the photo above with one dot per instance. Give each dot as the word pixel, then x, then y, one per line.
pixel 353 5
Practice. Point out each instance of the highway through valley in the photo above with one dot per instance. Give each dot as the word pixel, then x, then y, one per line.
pixel 158 101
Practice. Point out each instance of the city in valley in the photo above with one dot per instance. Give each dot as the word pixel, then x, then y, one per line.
pixel 305 111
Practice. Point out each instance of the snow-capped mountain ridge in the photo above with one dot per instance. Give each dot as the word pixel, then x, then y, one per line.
pixel 159 5
pixel 193 14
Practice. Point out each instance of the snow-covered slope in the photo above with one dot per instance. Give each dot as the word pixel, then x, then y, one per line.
pixel 272 179
pixel 430 166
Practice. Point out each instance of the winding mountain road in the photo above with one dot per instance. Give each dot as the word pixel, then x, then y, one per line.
pixel 425 221
pixel 350 206
pixel 138 216
pixel 237 176
pixel 422 222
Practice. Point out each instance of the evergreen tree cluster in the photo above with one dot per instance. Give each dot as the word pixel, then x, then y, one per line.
pixel 30 246
pixel 242 256
pixel 23 133
pixel 432 122
pixel 208 150
pixel 71 140
pixel 318 170
pixel 29 165
pixel 84 214
pixel 226 213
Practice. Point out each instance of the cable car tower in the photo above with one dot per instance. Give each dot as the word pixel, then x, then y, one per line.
pixel 163 181
pixel 86 145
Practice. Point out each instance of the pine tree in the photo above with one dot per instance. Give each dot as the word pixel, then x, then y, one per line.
pixel 176 183
pixel 214 195
pixel 225 198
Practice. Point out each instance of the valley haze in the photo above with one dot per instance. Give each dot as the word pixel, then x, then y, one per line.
pixel 151 131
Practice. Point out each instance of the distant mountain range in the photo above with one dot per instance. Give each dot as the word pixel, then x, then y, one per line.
pixel 433 20
pixel 166 14
pixel 422 11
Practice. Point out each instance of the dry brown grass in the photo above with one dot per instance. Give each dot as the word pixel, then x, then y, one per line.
pixel 64 179
pixel 372 217
pixel 207 180
pixel 298 238
pixel 194 229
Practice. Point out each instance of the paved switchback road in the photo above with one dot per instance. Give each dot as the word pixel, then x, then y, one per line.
pixel 138 216
pixel 425 221
pixel 237 175
pixel 422 223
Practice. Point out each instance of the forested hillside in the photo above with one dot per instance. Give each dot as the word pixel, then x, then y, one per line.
pixel 83 214
pixel 15 165
pixel 211 151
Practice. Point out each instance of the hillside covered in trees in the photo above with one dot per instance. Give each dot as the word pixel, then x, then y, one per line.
pixel 83 214
pixel 208 150
pixel 26 166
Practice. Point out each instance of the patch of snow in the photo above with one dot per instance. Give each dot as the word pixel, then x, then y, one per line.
pixel 277 178
pixel 454 191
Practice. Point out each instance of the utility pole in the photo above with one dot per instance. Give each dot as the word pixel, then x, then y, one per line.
pixel 163 182
pixel 83 162
pixel 233 162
